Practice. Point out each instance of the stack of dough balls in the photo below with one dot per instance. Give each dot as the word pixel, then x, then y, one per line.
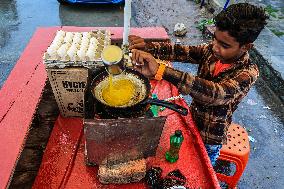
pixel 77 46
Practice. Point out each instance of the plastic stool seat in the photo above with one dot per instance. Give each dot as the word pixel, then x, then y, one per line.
pixel 236 151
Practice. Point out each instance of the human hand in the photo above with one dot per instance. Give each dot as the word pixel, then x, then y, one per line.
pixel 136 42
pixel 145 63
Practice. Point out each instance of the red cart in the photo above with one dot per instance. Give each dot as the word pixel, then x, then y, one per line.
pixel 62 165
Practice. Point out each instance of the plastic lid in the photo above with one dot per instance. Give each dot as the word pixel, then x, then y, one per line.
pixel 178 133
pixel 154 96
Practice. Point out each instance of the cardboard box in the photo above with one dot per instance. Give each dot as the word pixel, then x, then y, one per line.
pixel 68 74
pixel 68 86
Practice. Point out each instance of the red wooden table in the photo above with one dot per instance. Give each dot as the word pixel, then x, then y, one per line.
pixel 63 163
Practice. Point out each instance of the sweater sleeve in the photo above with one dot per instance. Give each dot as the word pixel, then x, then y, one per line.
pixel 176 52
pixel 209 92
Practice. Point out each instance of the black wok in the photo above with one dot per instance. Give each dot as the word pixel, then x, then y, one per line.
pixel 139 103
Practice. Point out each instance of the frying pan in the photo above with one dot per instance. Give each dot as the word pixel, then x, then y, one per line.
pixel 139 104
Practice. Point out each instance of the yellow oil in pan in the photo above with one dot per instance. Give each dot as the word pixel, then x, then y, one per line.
pixel 119 92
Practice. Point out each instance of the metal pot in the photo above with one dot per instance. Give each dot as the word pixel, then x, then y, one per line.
pixel 139 103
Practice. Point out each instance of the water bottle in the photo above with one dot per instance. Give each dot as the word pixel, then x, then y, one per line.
pixel 175 142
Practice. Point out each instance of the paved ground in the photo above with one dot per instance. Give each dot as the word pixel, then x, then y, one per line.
pixel 276 23
pixel 260 112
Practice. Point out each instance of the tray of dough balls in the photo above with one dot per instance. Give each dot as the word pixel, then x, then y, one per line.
pixel 72 49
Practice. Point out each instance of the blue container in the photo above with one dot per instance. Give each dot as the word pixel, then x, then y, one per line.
pixel 91 1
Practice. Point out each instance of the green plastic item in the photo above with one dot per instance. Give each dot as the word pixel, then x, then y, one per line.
pixel 175 143
pixel 154 108
pixel 162 109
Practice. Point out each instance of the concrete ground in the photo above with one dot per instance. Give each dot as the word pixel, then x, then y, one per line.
pixel 276 23
pixel 261 112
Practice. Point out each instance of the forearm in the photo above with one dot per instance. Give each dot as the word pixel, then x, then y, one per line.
pixel 201 90
pixel 175 52
pixel 208 92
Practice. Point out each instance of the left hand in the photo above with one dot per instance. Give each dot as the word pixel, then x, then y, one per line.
pixel 145 63
pixel 136 42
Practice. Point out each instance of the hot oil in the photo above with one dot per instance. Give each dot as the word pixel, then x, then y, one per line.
pixel 118 92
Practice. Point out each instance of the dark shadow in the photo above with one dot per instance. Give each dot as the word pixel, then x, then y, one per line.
pixel 225 167
pixel 270 98
pixel 30 159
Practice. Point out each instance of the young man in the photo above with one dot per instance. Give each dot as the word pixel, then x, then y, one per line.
pixel 225 72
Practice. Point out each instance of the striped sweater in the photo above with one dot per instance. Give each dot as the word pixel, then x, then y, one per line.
pixel 215 98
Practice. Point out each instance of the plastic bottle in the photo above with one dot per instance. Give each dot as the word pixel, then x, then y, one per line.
pixel 175 143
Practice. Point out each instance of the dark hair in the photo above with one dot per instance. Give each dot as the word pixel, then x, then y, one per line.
pixel 243 21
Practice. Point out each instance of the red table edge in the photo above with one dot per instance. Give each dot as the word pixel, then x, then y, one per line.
pixel 20 80
pixel 206 159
